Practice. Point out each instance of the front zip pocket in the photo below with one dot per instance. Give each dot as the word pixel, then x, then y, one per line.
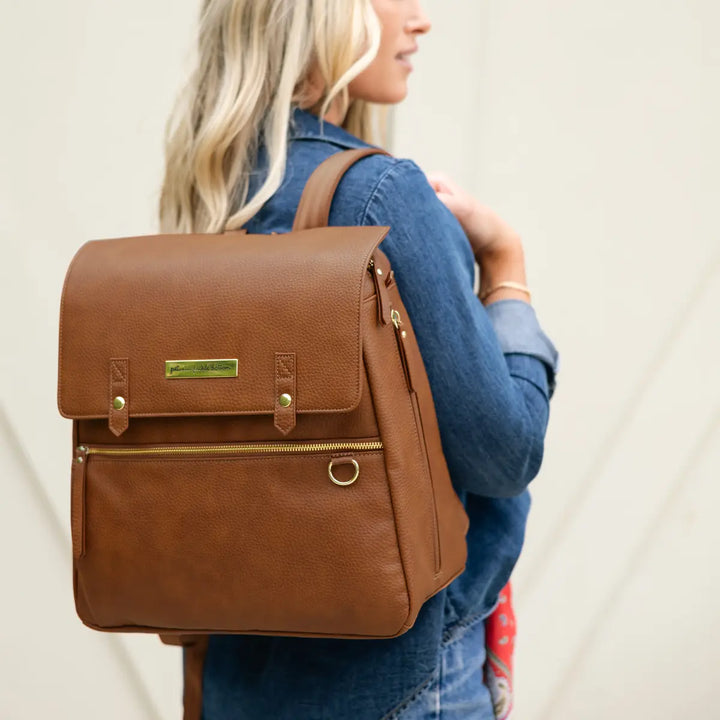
pixel 230 448
pixel 247 448
pixel 230 537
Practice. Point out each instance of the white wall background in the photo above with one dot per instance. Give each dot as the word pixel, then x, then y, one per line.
pixel 592 127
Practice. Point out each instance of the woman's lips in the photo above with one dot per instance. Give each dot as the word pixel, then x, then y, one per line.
pixel 403 60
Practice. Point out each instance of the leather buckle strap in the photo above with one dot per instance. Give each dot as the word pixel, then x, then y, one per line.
pixel 118 417
pixel 285 400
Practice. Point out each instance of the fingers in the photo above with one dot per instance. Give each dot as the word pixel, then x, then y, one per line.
pixel 450 202
pixel 438 185
pixel 450 194
pixel 441 181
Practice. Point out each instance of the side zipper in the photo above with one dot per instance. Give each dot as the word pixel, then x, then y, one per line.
pixel 384 306
pixel 421 434
pixel 77 503
pixel 400 340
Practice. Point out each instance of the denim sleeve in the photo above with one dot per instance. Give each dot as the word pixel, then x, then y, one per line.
pixel 491 370
pixel 519 331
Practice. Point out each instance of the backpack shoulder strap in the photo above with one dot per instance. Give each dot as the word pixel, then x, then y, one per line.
pixel 194 650
pixel 314 207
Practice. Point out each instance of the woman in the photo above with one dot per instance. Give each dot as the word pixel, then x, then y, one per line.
pixel 281 85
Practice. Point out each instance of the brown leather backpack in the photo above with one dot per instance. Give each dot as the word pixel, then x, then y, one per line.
pixel 254 442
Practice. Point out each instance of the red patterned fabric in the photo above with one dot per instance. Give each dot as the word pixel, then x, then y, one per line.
pixel 500 631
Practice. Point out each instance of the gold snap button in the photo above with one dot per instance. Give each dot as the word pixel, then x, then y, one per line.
pixel 285 399
pixel 119 402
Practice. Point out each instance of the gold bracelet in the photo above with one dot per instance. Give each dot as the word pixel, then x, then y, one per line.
pixel 507 284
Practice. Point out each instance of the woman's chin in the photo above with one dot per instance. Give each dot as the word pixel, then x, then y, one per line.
pixel 390 95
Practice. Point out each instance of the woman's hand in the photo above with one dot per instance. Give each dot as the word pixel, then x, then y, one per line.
pixel 487 232
pixel 497 247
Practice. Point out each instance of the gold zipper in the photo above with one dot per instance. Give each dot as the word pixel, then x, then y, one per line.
pixel 260 447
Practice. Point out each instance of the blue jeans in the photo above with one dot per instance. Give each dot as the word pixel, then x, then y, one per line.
pixel 456 690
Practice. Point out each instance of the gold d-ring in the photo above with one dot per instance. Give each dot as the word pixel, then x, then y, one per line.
pixel 346 482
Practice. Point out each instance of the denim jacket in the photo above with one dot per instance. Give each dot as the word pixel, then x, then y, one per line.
pixel 491 372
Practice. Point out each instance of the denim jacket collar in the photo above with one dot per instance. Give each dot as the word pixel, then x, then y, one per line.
pixel 304 125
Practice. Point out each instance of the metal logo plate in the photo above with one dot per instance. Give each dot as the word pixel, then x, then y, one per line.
pixel 222 367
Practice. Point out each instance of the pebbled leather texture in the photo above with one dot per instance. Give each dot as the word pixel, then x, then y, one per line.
pixel 185 545
pixel 216 296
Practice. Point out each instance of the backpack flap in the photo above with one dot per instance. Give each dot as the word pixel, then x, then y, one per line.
pixel 215 324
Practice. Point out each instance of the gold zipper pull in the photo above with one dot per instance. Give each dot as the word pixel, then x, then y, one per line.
pixel 400 336
pixel 383 298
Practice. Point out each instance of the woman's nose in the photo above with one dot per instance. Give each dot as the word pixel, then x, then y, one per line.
pixel 419 23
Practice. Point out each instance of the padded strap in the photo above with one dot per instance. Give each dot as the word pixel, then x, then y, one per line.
pixel 314 207
pixel 194 650
pixel 194 660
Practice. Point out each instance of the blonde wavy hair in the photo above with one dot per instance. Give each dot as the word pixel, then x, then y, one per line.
pixel 256 61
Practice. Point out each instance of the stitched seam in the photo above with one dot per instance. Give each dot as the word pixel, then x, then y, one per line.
pixel 285 377
pixel 117 367
pixel 451 603
pixel 376 188
pixel 402 705
pixel 450 635
pixel 118 377
pixel 333 141
pixel 220 631
pixel 283 370
pixel 111 411
pixel 531 382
